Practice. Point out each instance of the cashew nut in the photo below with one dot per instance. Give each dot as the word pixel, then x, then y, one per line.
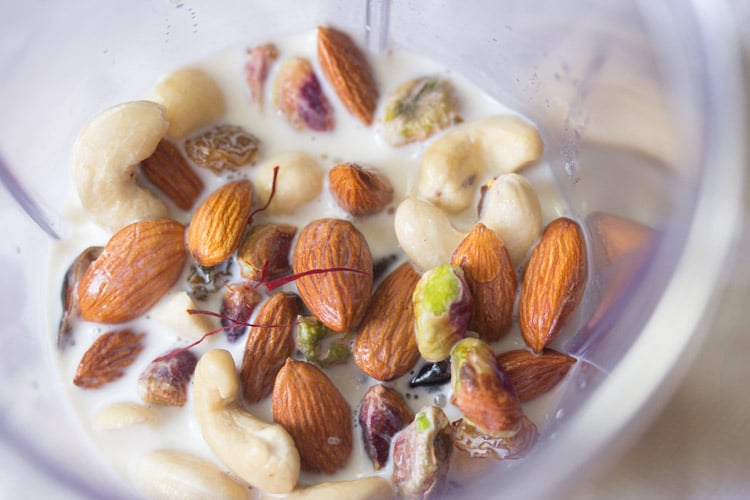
pixel 368 488
pixel 104 161
pixel 122 415
pixel 262 454
pixel 452 167
pixel 425 234
pixel 192 99
pixel 511 208
pixel 300 179
pixel 167 474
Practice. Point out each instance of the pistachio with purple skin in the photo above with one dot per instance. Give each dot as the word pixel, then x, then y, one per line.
pixel 482 391
pixel 421 455
pixel 383 412
pixel 165 379
pixel 237 305
pixel 298 95
pixel 442 309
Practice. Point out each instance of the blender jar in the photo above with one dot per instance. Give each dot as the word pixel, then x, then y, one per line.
pixel 641 108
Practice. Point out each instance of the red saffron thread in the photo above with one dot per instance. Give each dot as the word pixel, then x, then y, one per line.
pixel 270 197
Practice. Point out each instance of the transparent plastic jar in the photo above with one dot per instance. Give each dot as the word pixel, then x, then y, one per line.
pixel 641 108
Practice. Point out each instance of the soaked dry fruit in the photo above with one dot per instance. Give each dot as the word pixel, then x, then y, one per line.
pixel 432 374
pixel 222 147
pixel 169 171
pixel 259 61
pixel 319 344
pixel 419 108
pixel 484 394
pixel 534 374
pixel 165 379
pixel 203 281
pixel 383 412
pixel 421 455
pixel 476 444
pixel 442 309
pixel 360 190
pixel 69 293
pixel 297 94
pixel 237 305
pixel 265 251
pixel 108 357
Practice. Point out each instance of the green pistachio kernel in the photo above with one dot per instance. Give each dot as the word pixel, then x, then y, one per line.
pixel 319 344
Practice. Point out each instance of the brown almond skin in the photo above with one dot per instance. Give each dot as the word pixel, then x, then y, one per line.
pixel 358 190
pixel 266 349
pixel 534 374
pixel 385 346
pixel 69 293
pixel 313 411
pixel 553 283
pixel 219 222
pixel 108 357
pixel 347 70
pixel 138 265
pixel 338 299
pixel 382 413
pixel 168 170
pixel 492 281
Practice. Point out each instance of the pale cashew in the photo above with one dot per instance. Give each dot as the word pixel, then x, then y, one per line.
pixel 192 99
pixel 453 166
pixel 172 312
pixel 123 415
pixel 368 488
pixel 104 161
pixel 172 475
pixel 425 233
pixel 300 180
pixel 262 454
pixel 511 208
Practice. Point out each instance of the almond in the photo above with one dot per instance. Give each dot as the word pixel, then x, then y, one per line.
pixel 534 374
pixel 553 283
pixel 267 347
pixel 337 298
pixel 219 222
pixel 359 190
pixel 348 72
pixel 385 346
pixel 491 278
pixel 69 293
pixel 138 265
pixel 107 358
pixel 313 411
pixel 616 237
pixel 170 172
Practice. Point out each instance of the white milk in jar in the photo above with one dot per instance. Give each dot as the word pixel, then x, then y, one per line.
pixel 175 428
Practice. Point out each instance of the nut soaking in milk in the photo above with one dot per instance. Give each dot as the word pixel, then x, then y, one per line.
pixel 296 265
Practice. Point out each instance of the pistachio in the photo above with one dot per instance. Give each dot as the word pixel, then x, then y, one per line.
pixel 299 97
pixel 319 344
pixel 484 393
pixel 266 247
pixel 383 412
pixel 165 379
pixel 238 304
pixel 421 455
pixel 442 309
pixel 419 108
pixel 257 66
pixel 476 444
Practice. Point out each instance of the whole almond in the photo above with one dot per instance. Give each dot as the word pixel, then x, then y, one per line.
pixel 534 374
pixel 337 298
pixel 359 190
pixel 169 171
pixel 553 283
pixel 138 265
pixel 313 411
pixel 385 346
pixel 107 358
pixel 268 347
pixel 492 281
pixel 348 72
pixel 219 222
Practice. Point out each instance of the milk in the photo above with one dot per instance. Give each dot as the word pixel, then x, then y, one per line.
pixel 351 141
